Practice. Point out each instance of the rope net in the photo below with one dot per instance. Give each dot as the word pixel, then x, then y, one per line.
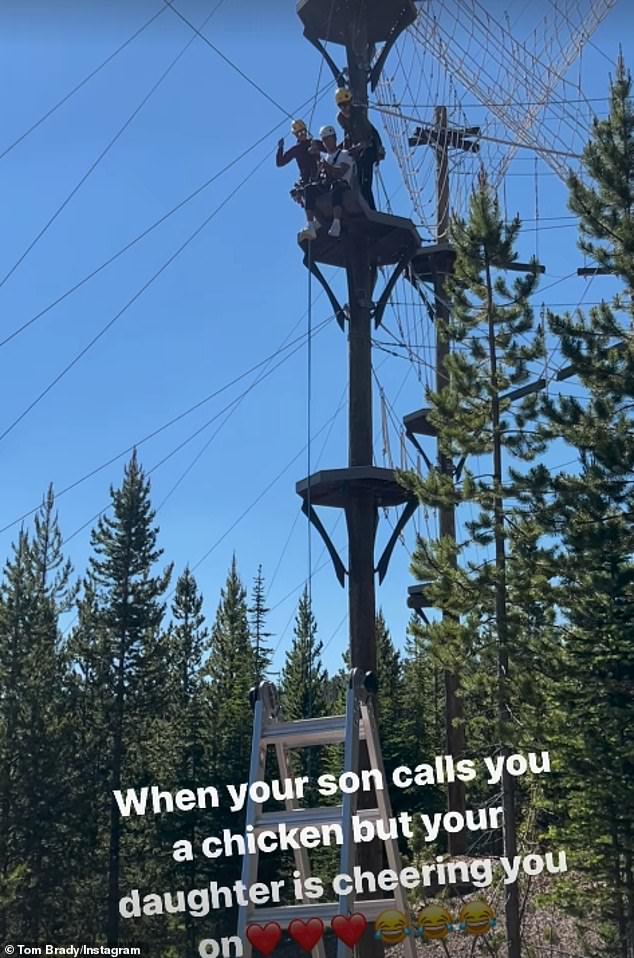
pixel 507 73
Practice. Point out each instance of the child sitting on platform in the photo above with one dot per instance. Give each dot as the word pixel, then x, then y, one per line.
pixel 337 170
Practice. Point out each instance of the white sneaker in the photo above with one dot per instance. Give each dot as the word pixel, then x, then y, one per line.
pixel 309 232
pixel 335 229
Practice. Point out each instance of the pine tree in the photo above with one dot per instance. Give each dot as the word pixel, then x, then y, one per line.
pixel 34 787
pixel 89 692
pixel 129 609
pixel 422 725
pixel 189 728
pixel 17 613
pixel 604 199
pixel 230 669
pixel 189 638
pixel 42 753
pixel 492 329
pixel 389 672
pixel 302 685
pixel 258 612
pixel 590 513
pixel 303 682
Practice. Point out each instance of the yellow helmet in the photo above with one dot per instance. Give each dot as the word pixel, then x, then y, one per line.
pixel 343 96
pixel 298 126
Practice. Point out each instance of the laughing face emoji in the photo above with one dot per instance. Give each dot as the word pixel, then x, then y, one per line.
pixel 477 918
pixel 434 922
pixel 391 927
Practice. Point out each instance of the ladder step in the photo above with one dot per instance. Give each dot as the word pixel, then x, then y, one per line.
pixel 285 914
pixel 318 731
pixel 300 817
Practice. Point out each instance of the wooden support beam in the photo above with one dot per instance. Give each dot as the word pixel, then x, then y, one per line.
pixel 516 267
pixel 449 138
pixel 595 271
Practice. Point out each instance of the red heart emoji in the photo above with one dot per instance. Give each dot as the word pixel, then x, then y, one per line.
pixel 265 938
pixel 349 930
pixel 306 933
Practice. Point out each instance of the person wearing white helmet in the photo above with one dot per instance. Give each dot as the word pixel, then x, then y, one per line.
pixel 338 169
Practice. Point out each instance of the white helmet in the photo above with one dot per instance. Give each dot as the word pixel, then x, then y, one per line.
pixel 327 131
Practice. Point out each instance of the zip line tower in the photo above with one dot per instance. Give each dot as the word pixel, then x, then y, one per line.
pixel 367 31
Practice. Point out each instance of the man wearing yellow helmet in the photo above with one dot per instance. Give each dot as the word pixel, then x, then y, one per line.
pixel 307 161
pixel 363 141
pixel 306 157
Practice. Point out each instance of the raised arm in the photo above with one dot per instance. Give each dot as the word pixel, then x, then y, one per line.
pixel 284 158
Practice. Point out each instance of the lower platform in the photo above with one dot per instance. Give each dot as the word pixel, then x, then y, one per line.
pixel 391 237
pixel 335 487
pixel 418 423
pixel 417 597
pixel 432 261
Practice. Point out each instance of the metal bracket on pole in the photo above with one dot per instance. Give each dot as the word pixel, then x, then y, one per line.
pixel 377 69
pixel 340 569
pixel 595 271
pixel 405 516
pixel 414 441
pixel 338 309
pixel 381 305
pixel 334 69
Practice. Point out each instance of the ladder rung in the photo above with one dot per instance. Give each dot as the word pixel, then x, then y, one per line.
pixel 300 817
pixel 317 731
pixel 285 914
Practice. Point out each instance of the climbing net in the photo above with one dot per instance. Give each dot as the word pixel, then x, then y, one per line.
pixel 511 75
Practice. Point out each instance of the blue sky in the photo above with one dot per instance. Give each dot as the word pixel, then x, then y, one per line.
pixel 229 300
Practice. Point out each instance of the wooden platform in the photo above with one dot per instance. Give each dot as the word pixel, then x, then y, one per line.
pixel 329 20
pixel 433 259
pixel 418 423
pixel 335 487
pixel 391 237
pixel 437 259
pixel 417 597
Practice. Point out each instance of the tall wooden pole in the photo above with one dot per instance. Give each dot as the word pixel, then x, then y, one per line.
pixel 360 26
pixel 454 712
pixel 361 509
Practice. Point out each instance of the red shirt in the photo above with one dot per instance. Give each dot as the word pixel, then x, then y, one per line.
pixel 308 163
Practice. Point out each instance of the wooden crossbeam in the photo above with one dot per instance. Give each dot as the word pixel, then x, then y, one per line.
pixel 456 139
pixel 595 271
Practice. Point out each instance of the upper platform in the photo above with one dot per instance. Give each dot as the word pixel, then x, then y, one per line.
pixel 391 237
pixel 335 487
pixel 329 20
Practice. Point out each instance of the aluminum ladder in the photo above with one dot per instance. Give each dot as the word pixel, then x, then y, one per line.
pixel 357 725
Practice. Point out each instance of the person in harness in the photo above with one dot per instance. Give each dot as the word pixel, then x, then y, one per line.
pixel 363 142
pixel 337 171
pixel 306 154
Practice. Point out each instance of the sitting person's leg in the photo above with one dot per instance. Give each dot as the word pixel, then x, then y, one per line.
pixel 311 193
pixel 338 189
